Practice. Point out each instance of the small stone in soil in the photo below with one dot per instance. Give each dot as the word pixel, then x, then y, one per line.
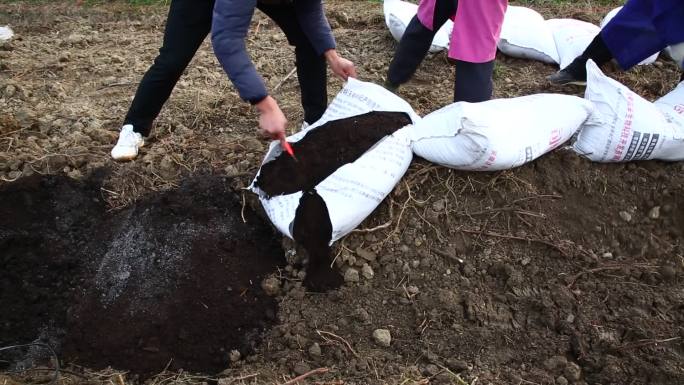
pixel 572 372
pixel 301 368
pixel 315 350
pixel 367 271
pixel 431 370
pixel 271 286
pixel 366 254
pixel 456 365
pixel 654 213
pixel 627 217
pixel 351 275
pixel 439 205
pixel 555 364
pixel 382 337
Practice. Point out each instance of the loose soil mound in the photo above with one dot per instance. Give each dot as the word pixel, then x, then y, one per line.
pixel 325 149
pixel 44 227
pixel 175 278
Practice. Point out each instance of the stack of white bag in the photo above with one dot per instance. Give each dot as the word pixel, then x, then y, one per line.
pixel 499 134
pixel 399 13
pixel 631 128
pixel 354 190
pixel 5 33
pixel 525 34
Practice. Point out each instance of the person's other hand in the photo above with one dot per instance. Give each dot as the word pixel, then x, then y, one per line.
pixel 272 121
pixel 339 65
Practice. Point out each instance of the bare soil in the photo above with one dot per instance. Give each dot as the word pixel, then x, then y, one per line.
pixel 560 271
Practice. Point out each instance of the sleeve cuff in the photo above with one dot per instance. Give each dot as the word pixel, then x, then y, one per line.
pixel 256 100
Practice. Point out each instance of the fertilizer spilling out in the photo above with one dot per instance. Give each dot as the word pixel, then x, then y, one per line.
pixel 320 153
pixel 173 279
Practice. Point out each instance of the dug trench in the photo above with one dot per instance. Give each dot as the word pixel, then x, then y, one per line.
pixel 172 281
pixel 318 154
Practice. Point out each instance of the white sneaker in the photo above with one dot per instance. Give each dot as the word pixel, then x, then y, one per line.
pixel 128 144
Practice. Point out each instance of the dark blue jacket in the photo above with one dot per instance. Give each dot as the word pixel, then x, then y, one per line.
pixel 642 28
pixel 231 20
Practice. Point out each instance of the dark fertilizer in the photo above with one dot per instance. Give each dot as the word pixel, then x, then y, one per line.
pixel 325 149
pixel 172 281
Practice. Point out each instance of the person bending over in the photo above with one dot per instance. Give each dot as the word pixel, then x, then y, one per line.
pixel 190 21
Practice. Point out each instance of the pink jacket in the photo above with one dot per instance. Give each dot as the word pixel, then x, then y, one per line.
pixel 477 25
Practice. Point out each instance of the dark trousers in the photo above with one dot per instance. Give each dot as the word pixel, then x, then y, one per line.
pixel 188 24
pixel 311 67
pixel 597 51
pixel 472 82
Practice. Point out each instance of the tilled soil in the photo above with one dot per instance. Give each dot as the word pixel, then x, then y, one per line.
pixel 560 271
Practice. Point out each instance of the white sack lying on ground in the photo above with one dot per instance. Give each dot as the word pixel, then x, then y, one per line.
pixel 6 33
pixel 609 16
pixel 676 53
pixel 526 35
pixel 630 127
pixel 353 191
pixel 572 37
pixel 399 13
pixel 673 101
pixel 498 134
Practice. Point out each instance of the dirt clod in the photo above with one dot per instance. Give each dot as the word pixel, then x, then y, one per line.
pixel 315 350
pixel 382 337
pixel 351 275
pixel 572 372
pixel 271 286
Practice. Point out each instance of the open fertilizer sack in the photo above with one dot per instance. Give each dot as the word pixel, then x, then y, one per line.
pixel 609 16
pixel 499 134
pixel 631 128
pixel 5 33
pixel 398 15
pixel 347 163
pixel 572 37
pixel 526 35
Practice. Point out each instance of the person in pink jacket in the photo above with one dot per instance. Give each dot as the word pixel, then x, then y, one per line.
pixel 477 25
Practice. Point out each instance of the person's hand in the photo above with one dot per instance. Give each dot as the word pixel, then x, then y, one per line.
pixel 272 121
pixel 339 65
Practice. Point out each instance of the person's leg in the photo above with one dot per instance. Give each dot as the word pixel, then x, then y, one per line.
pixel 188 24
pixel 473 81
pixel 576 72
pixel 415 43
pixel 311 67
